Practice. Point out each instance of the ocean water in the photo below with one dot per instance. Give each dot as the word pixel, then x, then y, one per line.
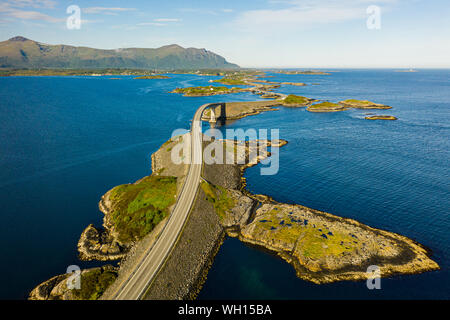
pixel 65 141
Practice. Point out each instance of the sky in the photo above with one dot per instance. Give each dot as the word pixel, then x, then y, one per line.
pixel 251 33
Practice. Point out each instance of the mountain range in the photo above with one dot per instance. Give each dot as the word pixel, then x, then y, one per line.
pixel 20 52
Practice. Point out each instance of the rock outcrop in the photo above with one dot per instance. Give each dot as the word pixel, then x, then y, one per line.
pixel 363 104
pixel 104 243
pixel 57 287
pixel 322 247
pixel 326 107
pixel 325 248
pixel 380 117
pixel 95 244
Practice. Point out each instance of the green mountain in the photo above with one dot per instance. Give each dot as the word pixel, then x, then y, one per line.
pixel 19 52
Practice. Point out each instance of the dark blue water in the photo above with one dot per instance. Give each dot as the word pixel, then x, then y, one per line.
pixel 391 175
pixel 65 141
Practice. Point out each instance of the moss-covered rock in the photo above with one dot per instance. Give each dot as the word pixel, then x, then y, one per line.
pixel 293 100
pixel 93 282
pixel 380 117
pixel 326 107
pixel 363 104
pixel 232 81
pixel 206 91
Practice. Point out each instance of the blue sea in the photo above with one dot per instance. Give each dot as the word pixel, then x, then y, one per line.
pixel 65 141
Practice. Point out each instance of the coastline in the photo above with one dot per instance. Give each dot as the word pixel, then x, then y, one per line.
pixel 200 275
pixel 413 258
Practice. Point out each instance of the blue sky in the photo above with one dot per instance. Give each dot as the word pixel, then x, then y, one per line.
pixel 251 33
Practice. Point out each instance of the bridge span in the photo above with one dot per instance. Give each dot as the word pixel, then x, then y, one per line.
pixel 136 285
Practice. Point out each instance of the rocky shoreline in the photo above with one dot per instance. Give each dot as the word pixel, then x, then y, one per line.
pixel 56 287
pixel 95 244
pixel 318 258
pixel 321 247
pixel 264 89
pixel 104 244
pixel 380 117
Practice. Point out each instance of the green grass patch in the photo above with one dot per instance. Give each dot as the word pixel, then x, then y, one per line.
pixel 314 239
pixel 231 81
pixel 219 197
pixel 202 90
pixel 293 99
pixel 94 283
pixel 326 105
pixel 138 208
pixel 358 102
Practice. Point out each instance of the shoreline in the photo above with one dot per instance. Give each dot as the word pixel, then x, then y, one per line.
pixel 200 277
pixel 196 278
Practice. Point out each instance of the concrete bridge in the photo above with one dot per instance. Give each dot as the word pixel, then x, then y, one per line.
pixel 135 287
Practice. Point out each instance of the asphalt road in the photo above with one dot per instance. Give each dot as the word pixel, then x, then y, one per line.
pixel 136 285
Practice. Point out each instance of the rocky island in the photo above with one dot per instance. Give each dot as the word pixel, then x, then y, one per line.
pixel 256 86
pixel 93 284
pixel 232 81
pixel 380 117
pixel 326 107
pixel 304 72
pixel 206 91
pixel 157 76
pixel 325 248
pixel 363 104
pixel 298 84
pixel 297 101
pixel 321 247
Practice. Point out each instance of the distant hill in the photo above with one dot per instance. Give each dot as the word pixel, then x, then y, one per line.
pixel 19 52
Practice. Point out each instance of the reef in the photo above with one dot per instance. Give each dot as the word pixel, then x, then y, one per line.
pixel 380 117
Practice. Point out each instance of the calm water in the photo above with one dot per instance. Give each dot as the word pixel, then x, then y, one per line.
pixel 65 141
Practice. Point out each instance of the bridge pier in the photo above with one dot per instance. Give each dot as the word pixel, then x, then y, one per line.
pixel 213 116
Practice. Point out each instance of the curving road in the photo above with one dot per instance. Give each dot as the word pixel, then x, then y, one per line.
pixel 136 285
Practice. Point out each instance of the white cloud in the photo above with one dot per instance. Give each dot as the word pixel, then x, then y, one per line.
pixel 32 3
pixel 105 10
pixel 167 20
pixel 160 22
pixel 156 24
pixel 205 11
pixel 305 13
pixel 7 10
